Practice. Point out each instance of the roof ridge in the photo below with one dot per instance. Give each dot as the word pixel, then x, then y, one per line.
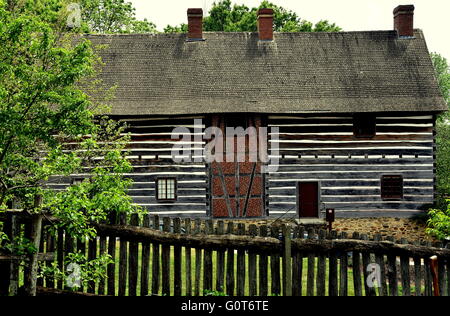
pixel 243 33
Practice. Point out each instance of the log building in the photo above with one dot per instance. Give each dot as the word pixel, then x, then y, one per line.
pixel 350 118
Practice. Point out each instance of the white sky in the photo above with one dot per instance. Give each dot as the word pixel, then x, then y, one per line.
pixel 432 16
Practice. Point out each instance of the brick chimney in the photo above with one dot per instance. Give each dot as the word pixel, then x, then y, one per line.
pixel 195 24
pixel 265 24
pixel 404 20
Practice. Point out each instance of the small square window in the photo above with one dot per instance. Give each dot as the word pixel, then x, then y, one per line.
pixel 235 121
pixel 364 125
pixel 76 181
pixel 392 187
pixel 166 189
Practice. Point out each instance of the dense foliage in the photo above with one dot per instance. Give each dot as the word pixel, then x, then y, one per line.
pixel 439 218
pixel 50 126
pixel 439 223
pixel 442 70
pixel 227 17
pixel 112 16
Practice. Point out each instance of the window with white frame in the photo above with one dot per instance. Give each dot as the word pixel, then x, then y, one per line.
pixel 166 189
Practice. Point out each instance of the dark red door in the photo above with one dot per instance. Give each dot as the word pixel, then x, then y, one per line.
pixel 308 199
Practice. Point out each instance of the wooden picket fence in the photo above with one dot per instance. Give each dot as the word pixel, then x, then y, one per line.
pixel 165 256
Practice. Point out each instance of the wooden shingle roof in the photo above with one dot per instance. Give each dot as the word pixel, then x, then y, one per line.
pixel 296 73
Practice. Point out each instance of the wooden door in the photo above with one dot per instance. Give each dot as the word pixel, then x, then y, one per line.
pixel 308 199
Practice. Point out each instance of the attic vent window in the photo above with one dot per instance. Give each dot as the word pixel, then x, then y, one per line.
pixel 166 189
pixel 364 125
pixel 77 181
pixel 392 187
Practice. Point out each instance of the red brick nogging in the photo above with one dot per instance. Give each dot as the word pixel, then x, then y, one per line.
pixel 254 207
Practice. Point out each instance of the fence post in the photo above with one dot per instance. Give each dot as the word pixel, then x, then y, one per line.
pixel 102 252
pixel 5 265
pixel 177 260
pixel 68 248
pixel 252 269
pixel 50 247
pixel 287 261
pixel 230 281
pixel 240 269
pixel 448 272
pixel 198 259
pixel 220 261
pixel 311 267
pixel 275 264
pixel 321 267
pixel 155 259
pixel 15 265
pixel 370 291
pixel 145 268
pixel 35 236
pixel 187 256
pixel 417 273
pixel 343 270
pixel 111 269
pixel 133 265
pixel 297 270
pixel 81 248
pixel 441 273
pixel 379 257
pixel 428 291
pixel 166 260
pixel 333 289
pixel 404 270
pixel 434 272
pixel 263 273
pixel 207 262
pixel 356 262
pixel 123 259
pixel 392 272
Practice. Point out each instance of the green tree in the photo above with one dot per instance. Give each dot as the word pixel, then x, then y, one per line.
pixel 113 16
pixel 50 126
pixel 438 224
pixel 439 218
pixel 227 17
pixel 442 71
pixel 38 100
pixel 45 113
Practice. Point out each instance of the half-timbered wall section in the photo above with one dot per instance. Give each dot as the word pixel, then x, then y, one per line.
pixel 150 153
pixel 323 148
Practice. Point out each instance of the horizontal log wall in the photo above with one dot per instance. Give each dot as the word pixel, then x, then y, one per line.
pixel 322 148
pixel 311 148
pixel 150 155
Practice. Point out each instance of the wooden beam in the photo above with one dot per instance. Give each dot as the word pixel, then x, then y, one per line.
pixel 247 197
pixel 195 241
pixel 267 244
pixel 31 273
pixel 49 256
pixel 43 291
